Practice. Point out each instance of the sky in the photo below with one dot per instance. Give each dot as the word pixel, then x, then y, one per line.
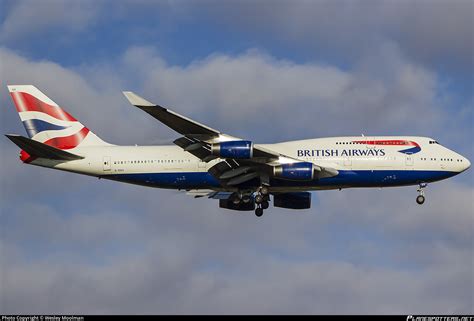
pixel 264 70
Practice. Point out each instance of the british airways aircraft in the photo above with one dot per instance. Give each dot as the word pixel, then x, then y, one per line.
pixel 241 174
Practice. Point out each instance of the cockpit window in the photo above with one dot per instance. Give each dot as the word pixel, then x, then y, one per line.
pixel 434 142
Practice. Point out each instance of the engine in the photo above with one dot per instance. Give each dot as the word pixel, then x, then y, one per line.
pixel 296 201
pixel 302 171
pixel 242 149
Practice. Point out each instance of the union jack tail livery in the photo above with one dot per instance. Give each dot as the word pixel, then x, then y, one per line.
pixel 48 123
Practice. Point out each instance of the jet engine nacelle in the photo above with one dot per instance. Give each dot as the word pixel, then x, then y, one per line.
pixel 242 149
pixel 296 201
pixel 302 171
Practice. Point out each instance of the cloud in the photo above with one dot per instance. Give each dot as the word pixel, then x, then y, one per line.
pixel 167 284
pixel 28 18
pixel 374 98
pixel 73 244
pixel 434 33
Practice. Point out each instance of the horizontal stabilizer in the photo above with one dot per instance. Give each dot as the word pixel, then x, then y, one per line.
pixel 35 148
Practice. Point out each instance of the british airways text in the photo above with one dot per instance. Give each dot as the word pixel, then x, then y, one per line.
pixel 336 152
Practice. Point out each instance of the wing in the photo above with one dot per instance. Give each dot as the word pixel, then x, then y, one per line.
pixel 205 142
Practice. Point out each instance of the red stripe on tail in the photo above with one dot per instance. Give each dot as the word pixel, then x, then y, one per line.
pixel 27 102
pixel 68 142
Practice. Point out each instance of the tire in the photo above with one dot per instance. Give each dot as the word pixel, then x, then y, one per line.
pixel 259 211
pixel 258 198
pixel 265 205
pixel 420 199
pixel 235 199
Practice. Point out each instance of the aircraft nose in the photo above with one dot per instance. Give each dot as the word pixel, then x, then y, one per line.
pixel 466 163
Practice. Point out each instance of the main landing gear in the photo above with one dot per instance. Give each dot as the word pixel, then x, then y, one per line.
pixel 420 199
pixel 261 200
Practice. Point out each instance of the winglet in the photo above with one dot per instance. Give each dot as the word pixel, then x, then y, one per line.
pixel 136 100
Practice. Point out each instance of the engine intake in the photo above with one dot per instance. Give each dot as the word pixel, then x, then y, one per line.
pixel 303 171
pixel 239 149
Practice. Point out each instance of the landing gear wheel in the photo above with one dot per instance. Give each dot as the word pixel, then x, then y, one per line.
pixel 246 199
pixel 235 198
pixel 264 190
pixel 420 199
pixel 259 211
pixel 265 205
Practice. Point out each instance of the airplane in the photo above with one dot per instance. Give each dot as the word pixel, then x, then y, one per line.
pixel 241 174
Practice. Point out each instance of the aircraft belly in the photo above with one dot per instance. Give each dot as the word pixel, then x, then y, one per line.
pixel 178 180
pixel 345 179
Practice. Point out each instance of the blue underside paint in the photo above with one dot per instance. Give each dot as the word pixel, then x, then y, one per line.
pixel 359 178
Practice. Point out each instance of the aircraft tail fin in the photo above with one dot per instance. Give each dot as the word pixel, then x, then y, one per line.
pixel 32 149
pixel 47 123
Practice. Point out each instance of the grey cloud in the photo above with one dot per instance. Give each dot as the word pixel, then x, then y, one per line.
pixel 377 98
pixel 28 18
pixel 435 32
pixel 448 210
pixel 156 283
pixel 193 258
pixel 94 98
pixel 241 89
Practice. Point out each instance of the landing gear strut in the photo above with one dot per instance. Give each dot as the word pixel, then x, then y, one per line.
pixel 420 199
pixel 261 200
pixel 258 198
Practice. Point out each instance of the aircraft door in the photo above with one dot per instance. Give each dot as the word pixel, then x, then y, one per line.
pixel 202 164
pixel 409 160
pixel 107 163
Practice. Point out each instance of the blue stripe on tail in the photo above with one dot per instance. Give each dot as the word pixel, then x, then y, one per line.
pixel 35 126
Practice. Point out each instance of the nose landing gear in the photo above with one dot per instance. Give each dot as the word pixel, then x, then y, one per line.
pixel 420 199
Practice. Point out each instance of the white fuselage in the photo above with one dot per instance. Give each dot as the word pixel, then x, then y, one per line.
pixel 360 163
